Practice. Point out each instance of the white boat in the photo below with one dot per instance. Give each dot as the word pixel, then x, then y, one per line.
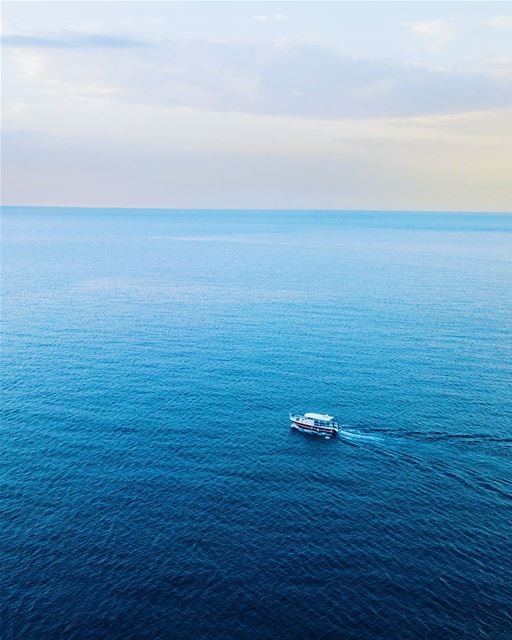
pixel 317 423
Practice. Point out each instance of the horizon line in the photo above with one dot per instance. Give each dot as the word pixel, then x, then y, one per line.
pixel 257 209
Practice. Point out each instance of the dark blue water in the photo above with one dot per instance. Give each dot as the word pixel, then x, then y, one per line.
pixel 150 485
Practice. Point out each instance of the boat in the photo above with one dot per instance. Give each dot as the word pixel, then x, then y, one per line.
pixel 316 423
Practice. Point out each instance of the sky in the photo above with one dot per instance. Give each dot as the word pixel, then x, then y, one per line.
pixel 300 105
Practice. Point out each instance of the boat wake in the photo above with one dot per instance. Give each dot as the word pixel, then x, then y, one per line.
pixel 358 435
pixel 430 436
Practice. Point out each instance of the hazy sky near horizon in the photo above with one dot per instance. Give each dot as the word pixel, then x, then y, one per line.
pixel 344 105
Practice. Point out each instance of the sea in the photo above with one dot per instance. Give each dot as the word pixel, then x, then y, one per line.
pixel 151 487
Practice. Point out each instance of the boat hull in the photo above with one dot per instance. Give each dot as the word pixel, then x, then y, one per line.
pixel 326 432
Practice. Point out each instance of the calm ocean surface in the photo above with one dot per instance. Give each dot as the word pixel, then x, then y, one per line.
pixel 150 485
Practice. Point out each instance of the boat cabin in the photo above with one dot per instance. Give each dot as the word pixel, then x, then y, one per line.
pixel 319 419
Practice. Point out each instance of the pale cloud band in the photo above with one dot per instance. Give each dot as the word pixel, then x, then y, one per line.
pixel 276 78
pixel 69 39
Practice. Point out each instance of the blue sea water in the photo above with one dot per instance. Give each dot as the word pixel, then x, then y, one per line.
pixel 150 485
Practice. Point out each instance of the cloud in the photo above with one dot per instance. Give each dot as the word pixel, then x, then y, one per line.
pixel 297 79
pixel 14 110
pixel 70 39
pixel 305 80
pixel 499 69
pixel 37 66
pixel 500 22
pixel 32 65
pixel 436 33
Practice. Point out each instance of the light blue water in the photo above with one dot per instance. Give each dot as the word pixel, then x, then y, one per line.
pixel 150 485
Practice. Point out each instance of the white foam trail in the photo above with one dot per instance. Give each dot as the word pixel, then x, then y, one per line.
pixel 357 435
